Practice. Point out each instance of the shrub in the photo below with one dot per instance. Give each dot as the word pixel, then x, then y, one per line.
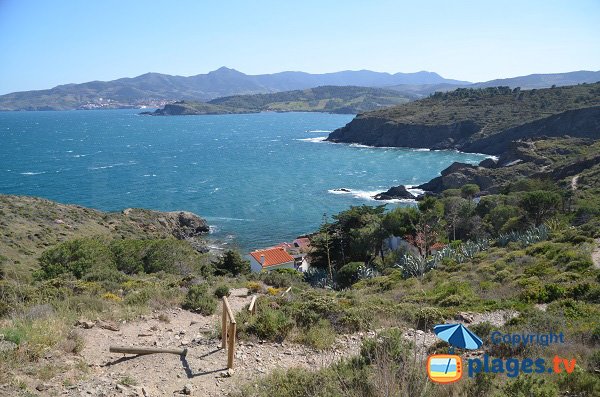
pixel 594 361
pixel 199 300
pixel 76 257
pixel 348 274
pixel 469 190
pixel 221 291
pixel 254 287
pixel 319 336
pixel 540 205
pixel 389 344
pixel 281 278
pixel 273 291
pixel 232 263
pixel 527 385
pixel 271 324
pixel 112 297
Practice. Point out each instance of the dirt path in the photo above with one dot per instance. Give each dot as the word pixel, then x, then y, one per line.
pixel 574 182
pixel 596 254
pixel 202 372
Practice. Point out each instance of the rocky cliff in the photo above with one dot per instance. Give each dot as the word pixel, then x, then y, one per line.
pixel 483 121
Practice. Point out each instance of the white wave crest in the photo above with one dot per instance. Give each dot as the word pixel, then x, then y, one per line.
pixel 368 195
pixel 33 173
pixel 317 139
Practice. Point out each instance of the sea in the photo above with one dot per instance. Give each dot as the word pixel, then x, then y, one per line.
pixel 258 179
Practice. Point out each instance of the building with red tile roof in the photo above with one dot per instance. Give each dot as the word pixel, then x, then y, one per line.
pixel 270 259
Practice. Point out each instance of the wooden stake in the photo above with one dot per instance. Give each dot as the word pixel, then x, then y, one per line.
pixel 224 326
pixel 252 307
pixel 231 347
pixel 146 350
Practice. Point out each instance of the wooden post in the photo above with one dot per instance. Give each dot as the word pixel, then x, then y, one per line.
pixel 145 350
pixel 252 307
pixel 224 326
pixel 231 347
pixel 229 312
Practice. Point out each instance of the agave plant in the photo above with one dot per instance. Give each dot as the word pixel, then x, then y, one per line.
pixel 530 236
pixel 365 272
pixel 317 278
pixel 415 265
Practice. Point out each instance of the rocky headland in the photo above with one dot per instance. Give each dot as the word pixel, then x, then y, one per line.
pixel 530 133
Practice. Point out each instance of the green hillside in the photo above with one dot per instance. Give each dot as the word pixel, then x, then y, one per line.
pixel 483 120
pixel 330 99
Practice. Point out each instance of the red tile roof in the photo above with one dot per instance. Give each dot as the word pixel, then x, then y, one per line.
pixel 303 242
pixel 273 256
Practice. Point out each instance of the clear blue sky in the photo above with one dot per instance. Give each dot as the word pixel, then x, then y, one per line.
pixel 46 43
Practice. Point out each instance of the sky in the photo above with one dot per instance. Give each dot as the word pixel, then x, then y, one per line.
pixel 45 43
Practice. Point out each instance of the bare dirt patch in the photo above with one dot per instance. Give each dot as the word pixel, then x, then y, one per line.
pixel 202 372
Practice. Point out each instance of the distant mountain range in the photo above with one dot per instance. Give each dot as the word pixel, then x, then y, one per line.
pixel 156 90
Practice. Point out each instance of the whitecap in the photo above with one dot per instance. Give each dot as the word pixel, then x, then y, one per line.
pixel 317 139
pixel 368 195
pixel 224 218
pixel 33 173
pixel 413 190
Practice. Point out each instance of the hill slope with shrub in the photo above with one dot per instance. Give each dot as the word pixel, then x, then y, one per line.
pixel 479 120
pixel 330 99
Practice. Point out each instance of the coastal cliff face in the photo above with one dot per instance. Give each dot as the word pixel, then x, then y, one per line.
pixel 483 121
pixel 465 135
pixel 374 131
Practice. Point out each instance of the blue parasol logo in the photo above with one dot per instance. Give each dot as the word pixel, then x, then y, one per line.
pixel 457 335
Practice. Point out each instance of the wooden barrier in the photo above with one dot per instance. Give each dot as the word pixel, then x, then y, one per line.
pixel 228 330
pixel 145 350
pixel 286 291
pixel 252 307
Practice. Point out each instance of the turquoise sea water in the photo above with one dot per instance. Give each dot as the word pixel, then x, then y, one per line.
pixel 258 179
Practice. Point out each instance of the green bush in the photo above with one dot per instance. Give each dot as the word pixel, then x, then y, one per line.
pixel 221 291
pixel 527 385
pixel 76 257
pixel 389 344
pixel 199 300
pixel 348 274
pixel 270 324
pixel 231 263
pixel 319 336
pixel 281 278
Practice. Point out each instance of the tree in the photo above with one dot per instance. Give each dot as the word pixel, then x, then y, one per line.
pixel 431 225
pixel 469 190
pixel 539 205
pixel 401 221
pixel 232 263
pixel 456 211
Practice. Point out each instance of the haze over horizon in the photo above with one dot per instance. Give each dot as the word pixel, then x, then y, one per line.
pixel 49 44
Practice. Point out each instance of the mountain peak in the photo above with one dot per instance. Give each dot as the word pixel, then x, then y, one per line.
pixel 225 70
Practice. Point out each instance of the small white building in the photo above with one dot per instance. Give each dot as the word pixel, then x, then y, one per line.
pixel 271 259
